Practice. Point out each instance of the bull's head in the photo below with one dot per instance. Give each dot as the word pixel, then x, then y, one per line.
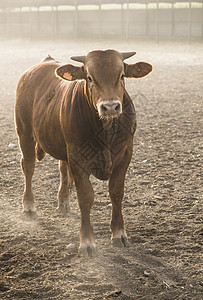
pixel 104 72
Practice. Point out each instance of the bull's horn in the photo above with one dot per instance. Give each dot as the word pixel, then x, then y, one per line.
pixel 79 58
pixel 127 54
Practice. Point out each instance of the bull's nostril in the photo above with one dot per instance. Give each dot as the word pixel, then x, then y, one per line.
pixel 117 108
pixel 104 108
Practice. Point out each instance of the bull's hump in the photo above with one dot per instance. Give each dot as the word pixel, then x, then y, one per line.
pixel 48 58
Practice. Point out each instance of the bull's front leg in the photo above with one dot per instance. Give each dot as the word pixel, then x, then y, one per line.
pixel 116 191
pixel 85 195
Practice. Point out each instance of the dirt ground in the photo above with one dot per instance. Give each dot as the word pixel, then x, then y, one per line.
pixel 162 203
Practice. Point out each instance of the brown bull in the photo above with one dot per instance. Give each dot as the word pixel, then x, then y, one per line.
pixel 88 125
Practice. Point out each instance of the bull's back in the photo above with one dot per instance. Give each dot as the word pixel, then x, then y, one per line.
pixel 28 86
pixel 38 97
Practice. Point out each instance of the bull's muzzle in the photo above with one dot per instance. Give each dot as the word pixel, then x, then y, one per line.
pixel 110 109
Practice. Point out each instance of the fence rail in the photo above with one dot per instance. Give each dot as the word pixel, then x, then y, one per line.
pixel 125 19
pixel 40 3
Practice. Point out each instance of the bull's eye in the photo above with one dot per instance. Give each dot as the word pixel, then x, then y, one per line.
pixel 122 76
pixel 89 78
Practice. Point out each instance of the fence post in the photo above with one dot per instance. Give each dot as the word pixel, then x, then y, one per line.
pixel 30 19
pixel 57 22
pixel 100 19
pixel 127 21
pixel 189 22
pixel 202 18
pixel 157 21
pixel 76 21
pixel 38 19
pixel 147 19
pixel 8 20
pixel 172 17
pixel 52 20
pixel 123 21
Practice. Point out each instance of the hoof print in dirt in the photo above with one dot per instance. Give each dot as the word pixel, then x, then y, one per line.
pixel 120 242
pixel 3 287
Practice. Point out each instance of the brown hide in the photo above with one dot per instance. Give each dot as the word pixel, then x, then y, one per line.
pixel 57 117
pixel 38 102
pixel 62 114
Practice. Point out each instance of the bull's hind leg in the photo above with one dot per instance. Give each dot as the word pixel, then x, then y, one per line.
pixel 63 193
pixel 27 145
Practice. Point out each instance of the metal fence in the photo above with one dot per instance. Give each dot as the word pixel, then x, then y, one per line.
pixel 126 19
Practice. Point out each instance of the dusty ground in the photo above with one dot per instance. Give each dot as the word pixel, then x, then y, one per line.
pixel 162 204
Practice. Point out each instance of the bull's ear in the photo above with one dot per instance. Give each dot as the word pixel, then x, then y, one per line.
pixel 137 70
pixel 70 72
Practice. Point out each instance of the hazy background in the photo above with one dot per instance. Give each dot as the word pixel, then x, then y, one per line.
pixel 98 19
pixel 163 191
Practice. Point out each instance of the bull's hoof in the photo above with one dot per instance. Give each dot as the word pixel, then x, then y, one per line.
pixel 120 242
pixel 30 213
pixel 63 208
pixel 88 252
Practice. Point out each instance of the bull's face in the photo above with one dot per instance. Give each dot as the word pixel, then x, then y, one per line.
pixel 104 72
pixel 105 81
